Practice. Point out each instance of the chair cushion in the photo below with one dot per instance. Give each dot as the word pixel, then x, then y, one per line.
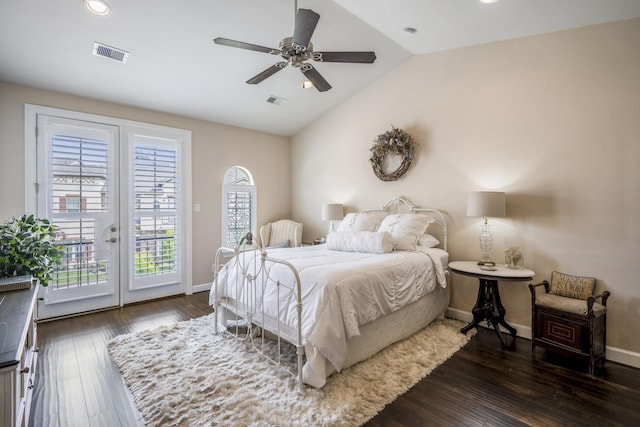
pixel 569 305
pixel 565 285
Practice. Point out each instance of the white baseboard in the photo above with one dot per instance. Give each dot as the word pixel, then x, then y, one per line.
pixel 624 357
pixel 205 287
pixel 614 354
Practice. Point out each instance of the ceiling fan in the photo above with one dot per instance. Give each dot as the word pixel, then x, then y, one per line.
pixel 298 49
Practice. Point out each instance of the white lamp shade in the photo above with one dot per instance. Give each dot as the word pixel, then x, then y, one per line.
pixel 332 211
pixel 486 203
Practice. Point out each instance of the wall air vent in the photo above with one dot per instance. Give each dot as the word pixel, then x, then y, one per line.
pixel 276 100
pixel 105 51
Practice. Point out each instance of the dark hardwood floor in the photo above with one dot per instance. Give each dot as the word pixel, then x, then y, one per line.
pixel 481 385
pixel 76 383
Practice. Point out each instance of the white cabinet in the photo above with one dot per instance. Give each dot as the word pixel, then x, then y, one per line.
pixel 18 355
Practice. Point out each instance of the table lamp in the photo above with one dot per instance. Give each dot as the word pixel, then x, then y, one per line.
pixel 332 212
pixel 486 204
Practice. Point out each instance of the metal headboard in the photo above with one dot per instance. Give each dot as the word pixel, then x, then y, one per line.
pixel 437 214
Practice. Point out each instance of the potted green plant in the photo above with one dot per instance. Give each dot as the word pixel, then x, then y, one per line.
pixel 28 248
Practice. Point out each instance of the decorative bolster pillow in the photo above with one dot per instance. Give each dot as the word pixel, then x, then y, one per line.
pixel 377 242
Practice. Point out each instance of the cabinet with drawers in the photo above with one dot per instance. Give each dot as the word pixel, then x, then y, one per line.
pixel 18 354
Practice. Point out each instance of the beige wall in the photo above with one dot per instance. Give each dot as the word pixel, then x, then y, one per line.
pixel 215 148
pixel 553 120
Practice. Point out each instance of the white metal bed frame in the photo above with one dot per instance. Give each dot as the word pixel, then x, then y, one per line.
pixel 255 332
pixel 248 318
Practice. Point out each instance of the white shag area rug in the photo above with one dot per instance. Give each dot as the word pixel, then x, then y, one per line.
pixel 184 375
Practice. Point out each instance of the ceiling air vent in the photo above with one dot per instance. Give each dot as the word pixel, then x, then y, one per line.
pixel 105 51
pixel 276 100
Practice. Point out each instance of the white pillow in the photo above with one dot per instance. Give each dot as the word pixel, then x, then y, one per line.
pixel 405 229
pixel 428 241
pixel 364 221
pixel 360 241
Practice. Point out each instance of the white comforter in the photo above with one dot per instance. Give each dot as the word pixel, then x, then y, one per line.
pixel 340 292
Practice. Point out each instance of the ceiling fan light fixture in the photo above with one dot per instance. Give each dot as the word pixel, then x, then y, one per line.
pixel 297 50
pixel 97 7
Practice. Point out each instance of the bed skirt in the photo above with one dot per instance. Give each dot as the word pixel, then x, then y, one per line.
pixel 380 333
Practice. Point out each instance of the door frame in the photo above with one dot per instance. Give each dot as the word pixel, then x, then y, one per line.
pixel 125 128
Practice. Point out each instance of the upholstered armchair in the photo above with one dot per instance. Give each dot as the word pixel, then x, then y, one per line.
pixel 566 318
pixel 283 233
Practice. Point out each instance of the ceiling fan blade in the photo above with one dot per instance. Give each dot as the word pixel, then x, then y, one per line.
pixel 267 73
pixel 243 45
pixel 315 77
pixel 306 21
pixel 354 57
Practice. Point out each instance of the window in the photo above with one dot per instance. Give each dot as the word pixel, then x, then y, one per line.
pixel 238 206
pixel 73 204
pixel 77 181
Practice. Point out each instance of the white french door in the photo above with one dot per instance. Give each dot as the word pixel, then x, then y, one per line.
pixel 117 195
pixel 78 192
pixel 155 238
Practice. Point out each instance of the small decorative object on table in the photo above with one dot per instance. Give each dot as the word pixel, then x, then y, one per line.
pixel 513 258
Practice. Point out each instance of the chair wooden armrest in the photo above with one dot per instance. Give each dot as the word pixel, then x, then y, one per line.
pixel 604 295
pixel 532 289
pixel 592 299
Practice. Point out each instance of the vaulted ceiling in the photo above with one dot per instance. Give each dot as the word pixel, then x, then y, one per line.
pixel 173 65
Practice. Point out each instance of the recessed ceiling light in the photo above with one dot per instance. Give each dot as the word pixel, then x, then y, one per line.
pixel 488 1
pixel 97 7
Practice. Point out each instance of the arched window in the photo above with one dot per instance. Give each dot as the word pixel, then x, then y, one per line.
pixel 238 206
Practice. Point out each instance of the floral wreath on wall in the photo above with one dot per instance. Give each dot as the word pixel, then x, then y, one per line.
pixel 394 141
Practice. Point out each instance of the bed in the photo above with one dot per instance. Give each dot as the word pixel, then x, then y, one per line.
pixel 379 279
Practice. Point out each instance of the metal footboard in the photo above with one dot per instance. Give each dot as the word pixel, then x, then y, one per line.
pixel 251 270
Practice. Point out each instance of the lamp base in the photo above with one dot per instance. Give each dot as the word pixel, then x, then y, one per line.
pixel 486 263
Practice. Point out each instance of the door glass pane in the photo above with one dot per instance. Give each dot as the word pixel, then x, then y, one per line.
pixel 155 239
pixel 79 188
